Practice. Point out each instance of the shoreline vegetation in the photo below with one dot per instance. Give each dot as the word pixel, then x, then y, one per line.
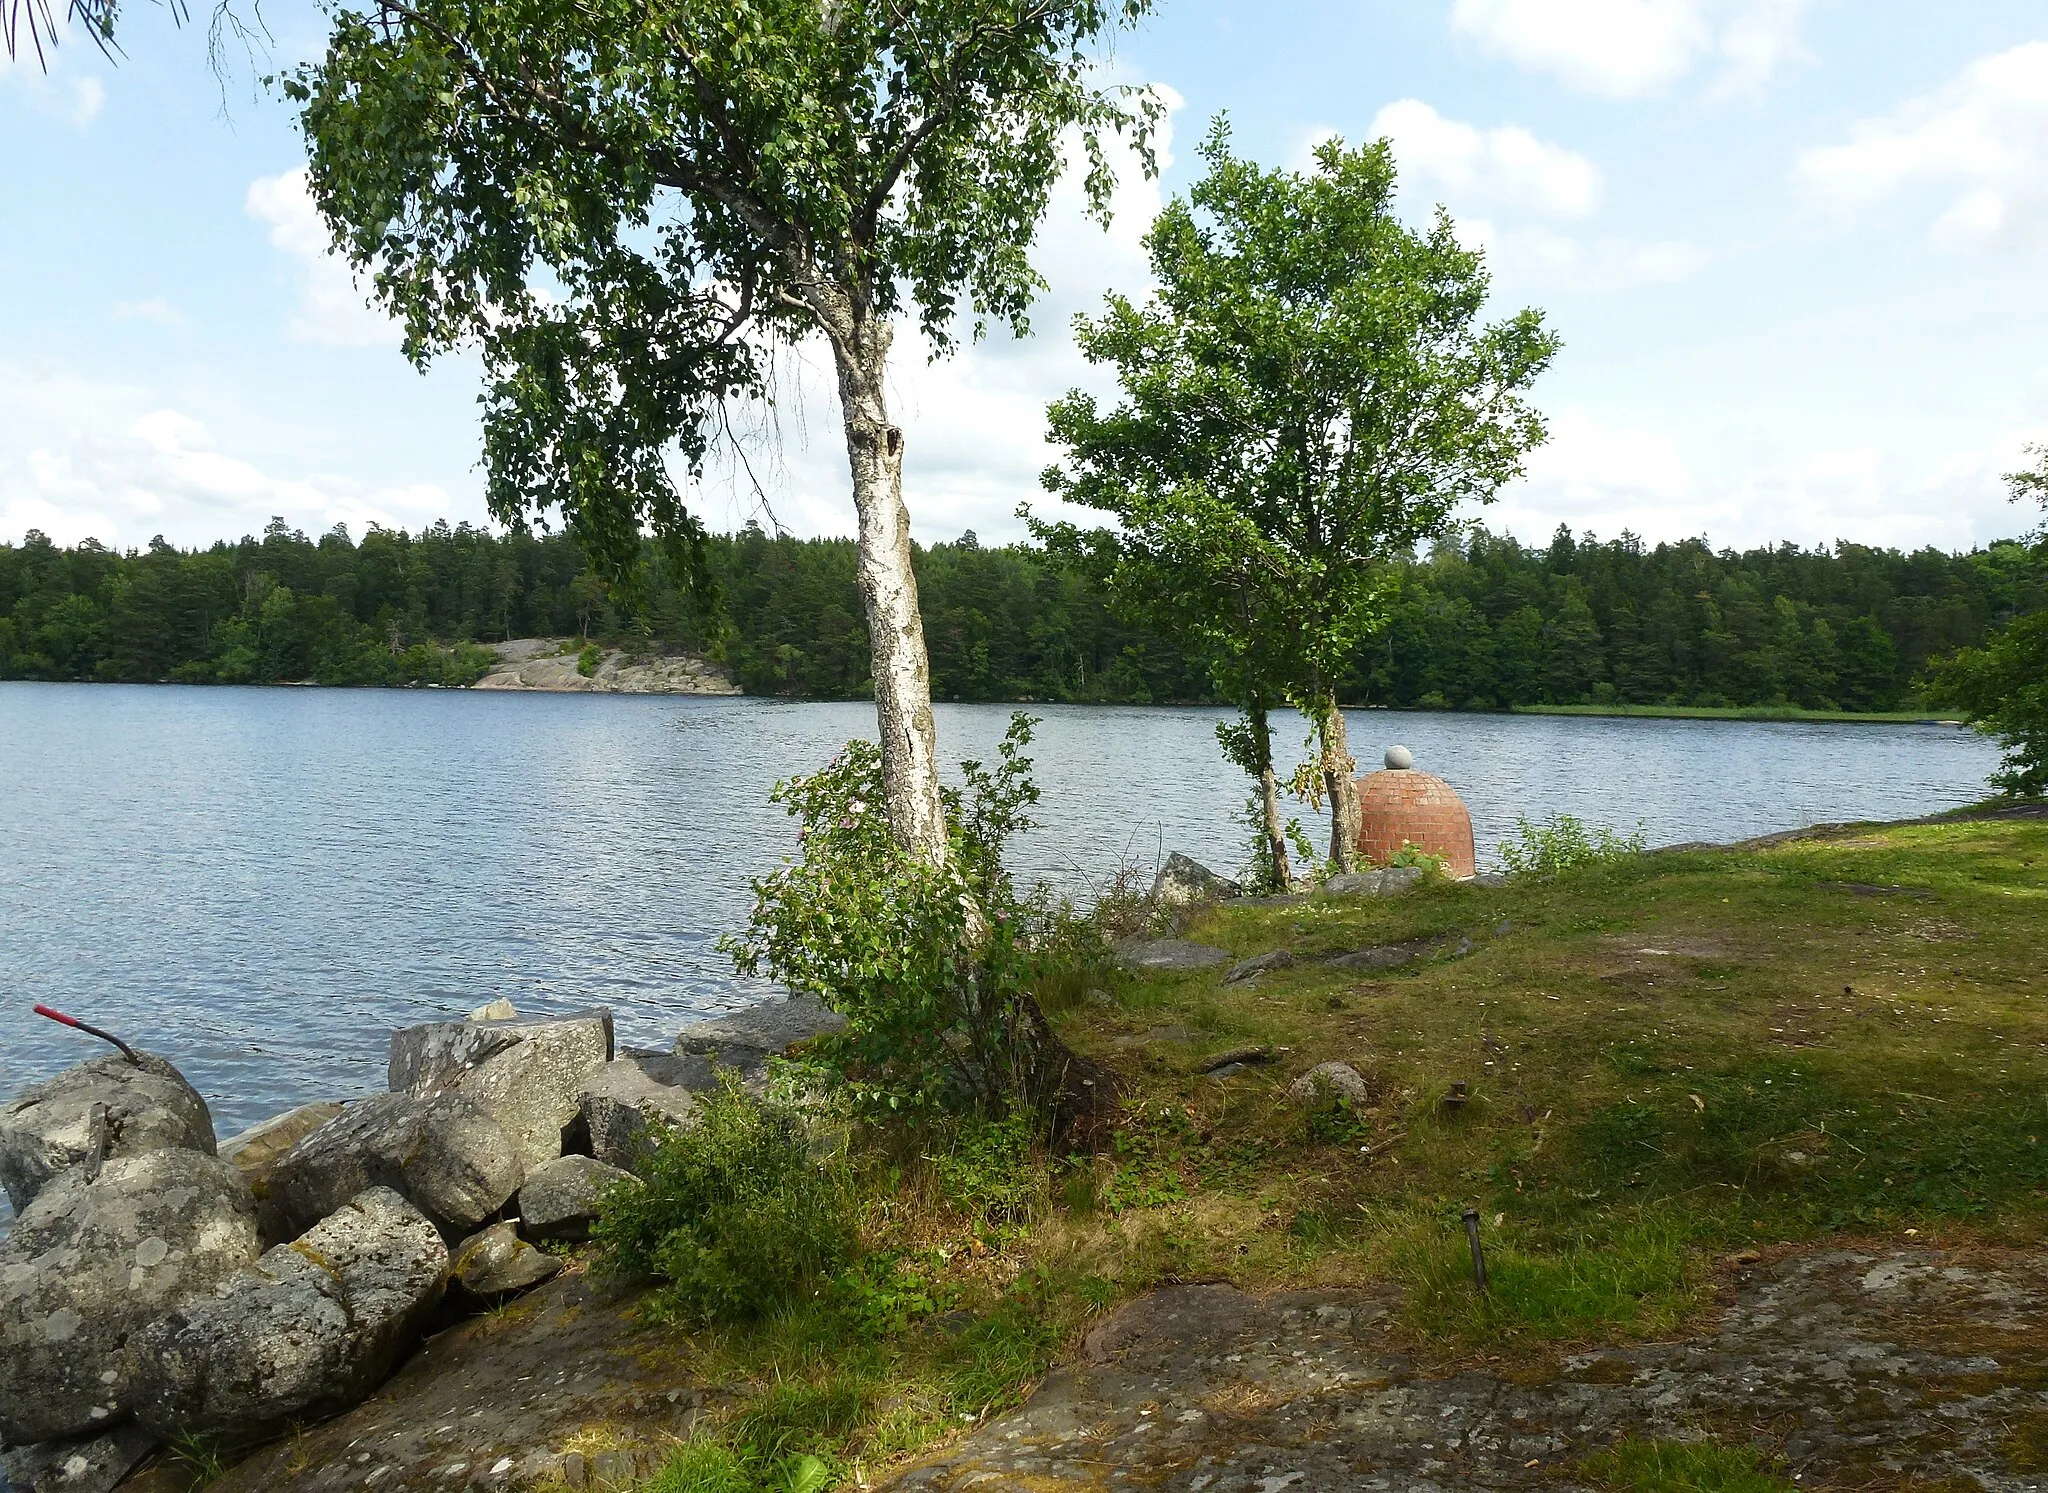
pixel 1481 623
pixel 1658 1079
pixel 1751 713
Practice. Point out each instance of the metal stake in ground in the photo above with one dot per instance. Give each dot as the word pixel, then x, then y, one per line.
pixel 1478 1255
pixel 87 1027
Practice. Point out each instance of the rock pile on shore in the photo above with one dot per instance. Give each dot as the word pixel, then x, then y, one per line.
pixel 159 1285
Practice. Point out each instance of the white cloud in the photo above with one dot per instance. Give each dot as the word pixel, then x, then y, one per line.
pixel 1972 155
pixel 332 310
pixel 155 309
pixel 70 98
pixel 1630 48
pixel 1607 476
pixel 121 478
pixel 1506 165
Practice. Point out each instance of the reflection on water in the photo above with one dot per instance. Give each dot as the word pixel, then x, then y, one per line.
pixel 261 883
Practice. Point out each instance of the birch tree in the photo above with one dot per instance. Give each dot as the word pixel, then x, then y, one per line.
pixel 1308 395
pixel 627 204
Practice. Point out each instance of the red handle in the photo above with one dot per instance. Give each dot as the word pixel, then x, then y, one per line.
pixel 90 1029
pixel 60 1016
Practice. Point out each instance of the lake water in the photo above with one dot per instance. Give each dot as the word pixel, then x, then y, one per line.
pixel 261 883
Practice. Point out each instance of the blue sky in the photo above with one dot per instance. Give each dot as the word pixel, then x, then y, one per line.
pixel 1797 250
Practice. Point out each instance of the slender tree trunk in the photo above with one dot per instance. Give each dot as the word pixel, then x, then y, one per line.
pixel 1339 781
pixel 1269 798
pixel 888 590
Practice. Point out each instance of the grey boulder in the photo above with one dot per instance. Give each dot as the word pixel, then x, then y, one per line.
pixel 255 1153
pixel 313 1326
pixel 1183 882
pixel 445 1153
pixel 1390 882
pixel 625 1100
pixel 1169 954
pixel 559 1200
pixel 747 1039
pixel 91 1464
pixel 497 1262
pixel 148 1107
pixel 1337 1079
pixel 91 1263
pixel 527 1072
pixel 1258 964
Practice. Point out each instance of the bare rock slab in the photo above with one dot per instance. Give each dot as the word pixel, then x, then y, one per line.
pixel 623 1102
pixel 255 1153
pixel 90 1264
pixel 49 1127
pixel 93 1464
pixel 1169 954
pixel 747 1039
pixel 1258 964
pixel 313 1326
pixel 527 1072
pixel 497 1262
pixel 560 1199
pixel 1392 881
pixel 444 1153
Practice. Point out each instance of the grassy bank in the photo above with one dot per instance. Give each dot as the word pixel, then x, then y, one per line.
pixel 1667 1061
pixel 1747 713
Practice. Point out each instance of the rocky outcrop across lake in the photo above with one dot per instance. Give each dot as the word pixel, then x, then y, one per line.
pixel 556 665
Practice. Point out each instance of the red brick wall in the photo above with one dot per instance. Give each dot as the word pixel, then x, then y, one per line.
pixel 1414 808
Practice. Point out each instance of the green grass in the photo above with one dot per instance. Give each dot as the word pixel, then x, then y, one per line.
pixel 1668 1058
pixel 1683 1467
pixel 1746 713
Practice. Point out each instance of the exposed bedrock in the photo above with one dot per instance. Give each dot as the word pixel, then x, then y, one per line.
pixel 147 1107
pixel 90 1264
pixel 312 1326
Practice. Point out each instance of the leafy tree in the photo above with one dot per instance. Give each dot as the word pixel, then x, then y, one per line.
pixel 694 182
pixel 1307 396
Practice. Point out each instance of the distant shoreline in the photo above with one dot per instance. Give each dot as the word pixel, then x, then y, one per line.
pixel 1745 713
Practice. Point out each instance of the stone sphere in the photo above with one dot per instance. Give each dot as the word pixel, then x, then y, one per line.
pixel 1399 758
pixel 1403 807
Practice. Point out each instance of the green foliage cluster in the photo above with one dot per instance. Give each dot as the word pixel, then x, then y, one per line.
pixel 733 1216
pixel 1562 843
pixel 932 964
pixel 1484 622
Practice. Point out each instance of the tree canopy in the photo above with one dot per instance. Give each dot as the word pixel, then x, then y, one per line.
pixel 625 205
pixel 1308 394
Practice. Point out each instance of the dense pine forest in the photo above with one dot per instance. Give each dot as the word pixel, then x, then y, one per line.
pixel 1485 623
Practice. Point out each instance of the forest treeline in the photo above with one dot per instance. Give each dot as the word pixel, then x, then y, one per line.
pixel 1482 623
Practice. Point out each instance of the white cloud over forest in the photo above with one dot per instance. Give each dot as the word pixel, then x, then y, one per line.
pixel 1633 48
pixel 1969 160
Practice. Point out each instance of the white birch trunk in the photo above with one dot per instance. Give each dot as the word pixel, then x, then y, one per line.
pixel 888 590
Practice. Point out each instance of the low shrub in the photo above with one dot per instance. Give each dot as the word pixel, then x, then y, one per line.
pixel 1634 1466
pixel 932 965
pixel 732 1216
pixel 1562 843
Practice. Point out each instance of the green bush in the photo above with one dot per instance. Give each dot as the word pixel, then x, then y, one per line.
pixel 733 1216
pixel 1561 843
pixel 588 660
pixel 932 965
pixel 2004 688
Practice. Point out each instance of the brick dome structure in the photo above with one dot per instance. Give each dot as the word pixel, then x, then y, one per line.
pixel 1402 806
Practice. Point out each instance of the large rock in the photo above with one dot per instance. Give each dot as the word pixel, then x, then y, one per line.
pixel 312 1327
pixel 90 1464
pixel 1183 882
pixel 497 1262
pixel 559 1200
pixel 747 1039
pixel 149 1107
pixel 526 1071
pixel 625 1099
pixel 255 1153
pixel 90 1263
pixel 1338 1080
pixel 1169 954
pixel 443 1152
